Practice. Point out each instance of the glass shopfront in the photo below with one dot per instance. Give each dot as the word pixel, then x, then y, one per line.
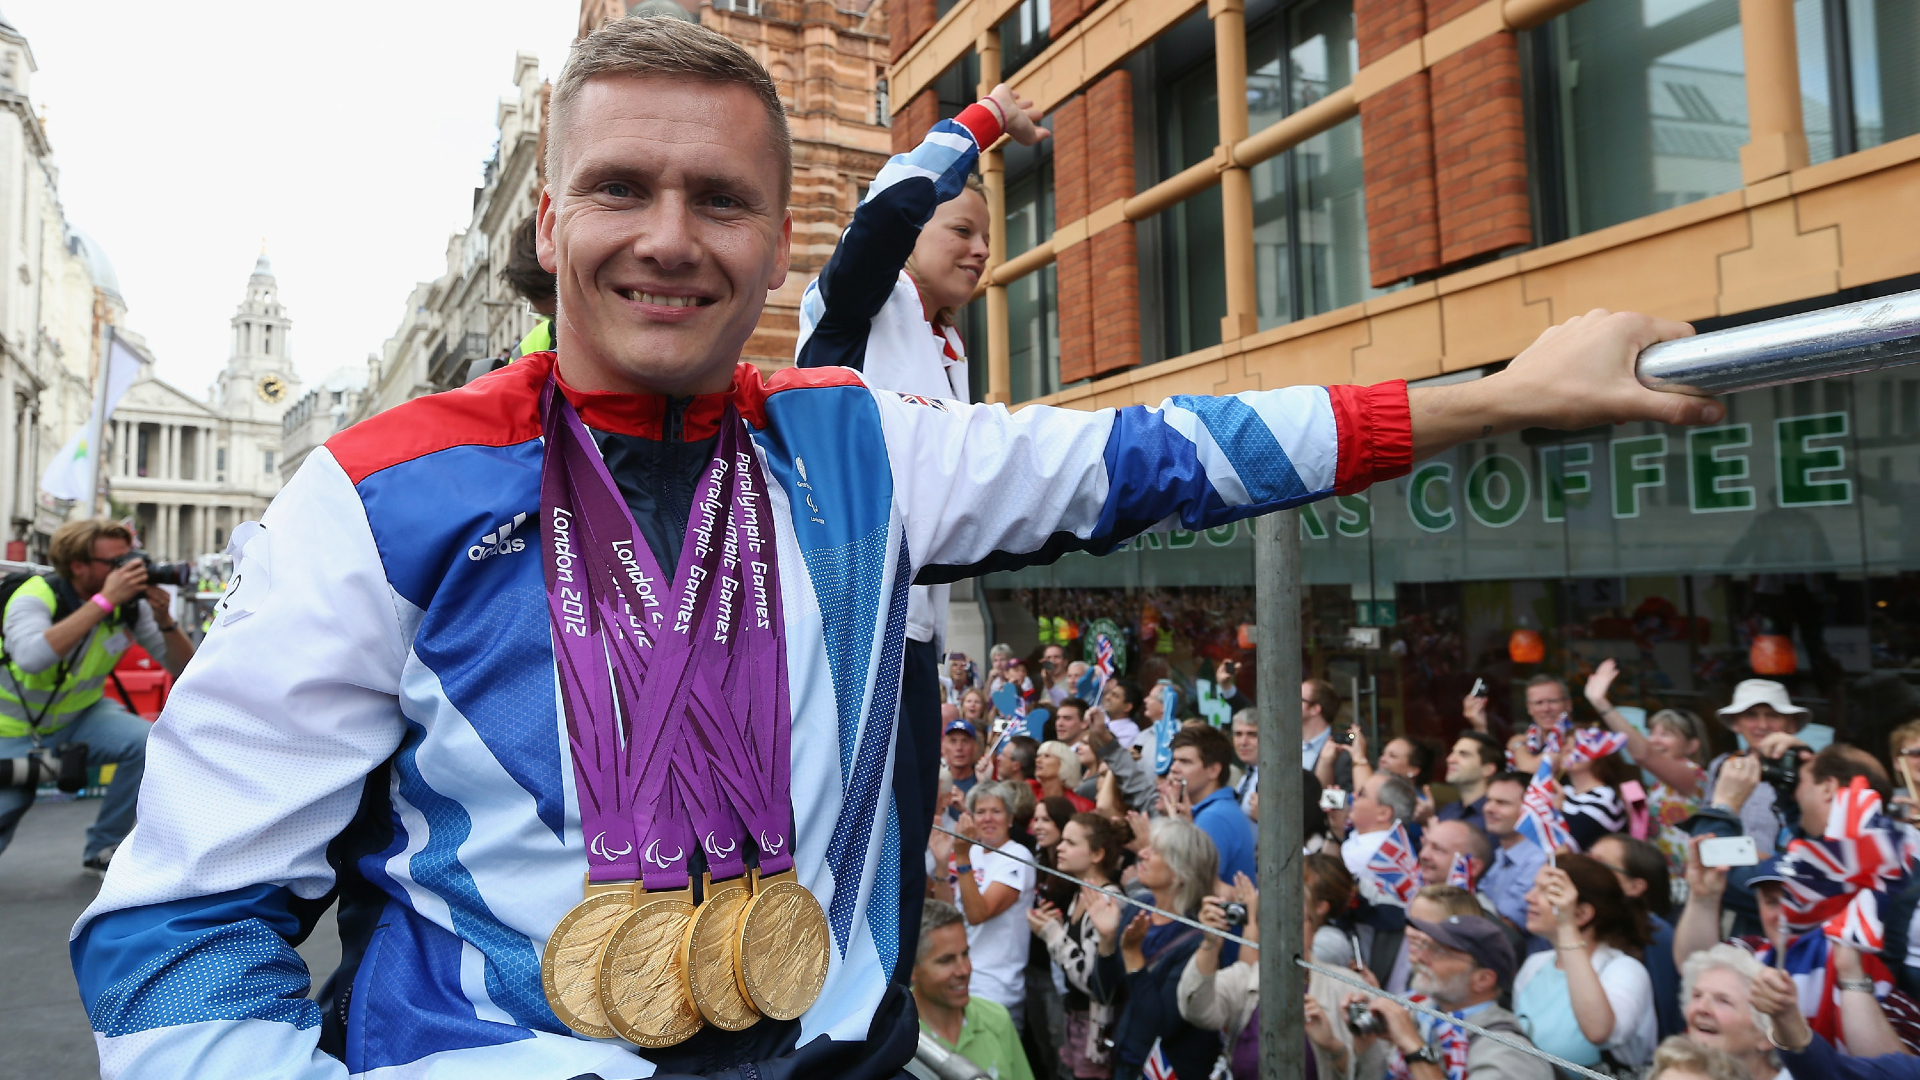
pixel 1785 540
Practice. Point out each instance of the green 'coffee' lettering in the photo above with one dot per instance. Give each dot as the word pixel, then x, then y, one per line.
pixel 1797 460
pixel 1637 464
pixel 1565 479
pixel 1497 491
pixel 1712 468
pixel 1434 474
pixel 1353 515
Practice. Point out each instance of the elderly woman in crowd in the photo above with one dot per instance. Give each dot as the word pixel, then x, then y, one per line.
pixel 1720 1016
pixel 1587 999
pixel 1091 847
pixel 1880 1020
pixel 995 890
pixel 1056 771
pixel 1141 959
pixel 1671 752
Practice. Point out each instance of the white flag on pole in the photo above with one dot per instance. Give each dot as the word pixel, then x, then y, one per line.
pixel 66 476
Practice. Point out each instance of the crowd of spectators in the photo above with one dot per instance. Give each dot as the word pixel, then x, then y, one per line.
pixel 1585 889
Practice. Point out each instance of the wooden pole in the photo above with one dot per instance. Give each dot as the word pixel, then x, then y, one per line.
pixel 1236 185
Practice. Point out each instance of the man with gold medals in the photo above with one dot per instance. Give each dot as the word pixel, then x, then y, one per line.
pixel 575 687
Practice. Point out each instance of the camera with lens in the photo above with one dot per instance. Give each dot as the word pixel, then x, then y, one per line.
pixel 158 573
pixel 1236 913
pixel 1783 775
pixel 1363 1020
pixel 65 768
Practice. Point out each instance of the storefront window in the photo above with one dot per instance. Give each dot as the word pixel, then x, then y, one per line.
pixel 1672 551
pixel 1649 106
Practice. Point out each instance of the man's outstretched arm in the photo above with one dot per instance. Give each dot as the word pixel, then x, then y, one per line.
pixel 982 489
pixel 1576 375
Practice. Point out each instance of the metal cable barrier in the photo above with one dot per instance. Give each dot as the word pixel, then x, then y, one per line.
pixel 1339 974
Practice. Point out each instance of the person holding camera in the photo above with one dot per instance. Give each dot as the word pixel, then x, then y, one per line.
pixel 1880 1018
pixel 1760 713
pixel 1461 965
pixel 64 633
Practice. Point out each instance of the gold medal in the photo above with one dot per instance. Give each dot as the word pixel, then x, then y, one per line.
pixel 711 964
pixel 643 987
pixel 784 947
pixel 570 964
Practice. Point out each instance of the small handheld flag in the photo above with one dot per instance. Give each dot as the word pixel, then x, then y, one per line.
pixel 1540 820
pixel 1392 875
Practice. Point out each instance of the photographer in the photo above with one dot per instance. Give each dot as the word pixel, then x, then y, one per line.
pixel 1761 714
pixel 64 633
pixel 1461 965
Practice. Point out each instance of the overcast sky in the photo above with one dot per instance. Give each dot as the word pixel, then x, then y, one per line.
pixel 350 135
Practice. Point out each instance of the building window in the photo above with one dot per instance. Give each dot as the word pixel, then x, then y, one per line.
pixel 1033 330
pixel 958 86
pixel 1025 34
pixel 1645 108
pixel 880 114
pixel 1309 212
pixel 1858 84
pixel 266 459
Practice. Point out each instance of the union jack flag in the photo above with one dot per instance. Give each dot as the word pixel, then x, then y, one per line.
pixel 1835 881
pixel 1540 820
pixel 1592 744
pixel 1461 873
pixel 1547 741
pixel 1094 682
pixel 1449 1039
pixel 1156 1067
pixel 1392 875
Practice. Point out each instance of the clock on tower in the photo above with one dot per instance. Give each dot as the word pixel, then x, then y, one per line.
pixel 271 389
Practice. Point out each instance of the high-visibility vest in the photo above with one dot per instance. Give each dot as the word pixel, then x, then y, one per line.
pixel 538 339
pixel 61 691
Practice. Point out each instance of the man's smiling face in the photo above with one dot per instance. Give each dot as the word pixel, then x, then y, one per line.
pixel 665 226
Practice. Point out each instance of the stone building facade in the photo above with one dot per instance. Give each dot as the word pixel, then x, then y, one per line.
pixel 57 293
pixel 187 470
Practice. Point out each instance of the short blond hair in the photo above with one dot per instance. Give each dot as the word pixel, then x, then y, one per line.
pixel 1680 1054
pixel 662 47
pixel 1069 761
pixel 73 542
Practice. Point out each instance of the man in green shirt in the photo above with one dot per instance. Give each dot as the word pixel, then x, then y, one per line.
pixel 977 1029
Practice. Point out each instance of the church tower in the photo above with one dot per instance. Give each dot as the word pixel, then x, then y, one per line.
pixel 259 382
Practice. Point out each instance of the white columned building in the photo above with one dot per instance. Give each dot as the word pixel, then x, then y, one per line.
pixel 189 470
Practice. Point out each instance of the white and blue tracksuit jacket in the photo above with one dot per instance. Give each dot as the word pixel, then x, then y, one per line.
pixel 374 714
pixel 864 312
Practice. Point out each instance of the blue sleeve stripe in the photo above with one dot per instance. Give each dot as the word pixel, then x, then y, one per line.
pixel 1242 457
pixel 223 957
pixel 946 156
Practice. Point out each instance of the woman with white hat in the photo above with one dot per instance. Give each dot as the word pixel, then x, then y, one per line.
pixel 1760 707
